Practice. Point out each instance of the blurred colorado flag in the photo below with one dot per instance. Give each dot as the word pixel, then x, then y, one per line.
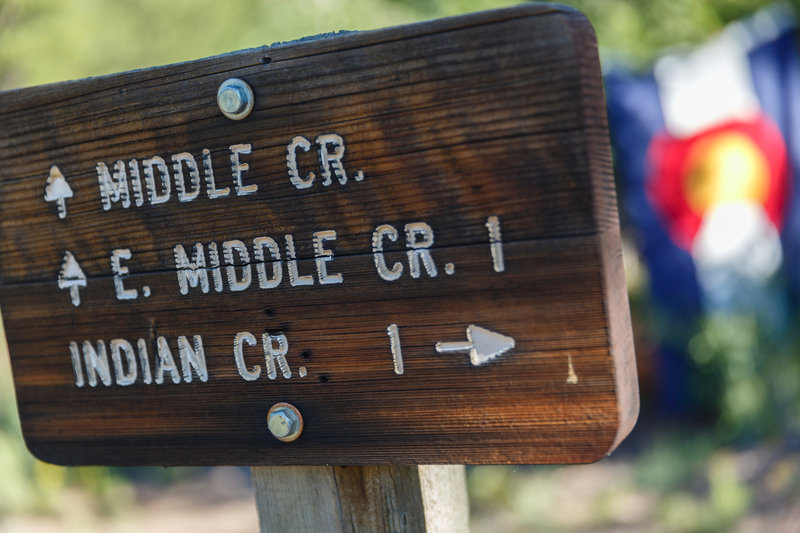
pixel 707 145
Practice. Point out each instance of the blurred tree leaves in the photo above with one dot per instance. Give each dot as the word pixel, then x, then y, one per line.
pixel 50 40
pixel 638 29
pixel 43 41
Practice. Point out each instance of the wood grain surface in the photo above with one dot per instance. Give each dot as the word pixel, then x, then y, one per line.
pixel 451 122
pixel 337 499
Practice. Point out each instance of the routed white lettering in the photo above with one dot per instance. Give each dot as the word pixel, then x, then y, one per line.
pixel 331 160
pixel 323 256
pixel 259 243
pixel 113 188
pixel 77 368
pixel 238 167
pixel 144 361
pixel 238 355
pixel 136 182
pixel 295 279
pixel 192 358
pixel 276 354
pixel 211 185
pixel 213 262
pixel 185 159
pixel 228 248
pixel 127 360
pixel 150 165
pixel 291 163
pixel 496 243
pixel 125 374
pixel 385 230
pixel 120 273
pixel 151 179
pixel 165 362
pixel 419 238
pixel 96 362
pixel 191 273
pixel 195 267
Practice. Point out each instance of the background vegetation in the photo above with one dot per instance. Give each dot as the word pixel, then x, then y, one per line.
pixel 684 474
pixel 43 41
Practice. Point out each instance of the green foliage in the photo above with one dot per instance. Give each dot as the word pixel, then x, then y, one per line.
pixel 43 41
pixel 18 490
pixel 31 486
pixel 637 30
pixel 752 372
pixel 726 500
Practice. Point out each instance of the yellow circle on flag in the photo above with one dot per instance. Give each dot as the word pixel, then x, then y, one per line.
pixel 723 169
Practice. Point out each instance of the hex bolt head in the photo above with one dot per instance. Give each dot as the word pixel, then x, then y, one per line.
pixel 235 99
pixel 285 422
pixel 231 100
pixel 281 423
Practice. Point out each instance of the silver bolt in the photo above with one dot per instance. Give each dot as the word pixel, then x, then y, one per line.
pixel 280 423
pixel 285 422
pixel 231 100
pixel 235 99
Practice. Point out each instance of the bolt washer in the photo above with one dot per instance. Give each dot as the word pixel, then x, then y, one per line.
pixel 291 412
pixel 231 92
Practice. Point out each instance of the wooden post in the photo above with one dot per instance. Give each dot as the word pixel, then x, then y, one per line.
pixel 355 499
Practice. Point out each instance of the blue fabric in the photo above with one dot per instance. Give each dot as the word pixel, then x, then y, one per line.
pixel 775 68
pixel 634 112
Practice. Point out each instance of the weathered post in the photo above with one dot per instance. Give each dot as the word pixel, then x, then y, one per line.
pixel 338 499
pixel 387 249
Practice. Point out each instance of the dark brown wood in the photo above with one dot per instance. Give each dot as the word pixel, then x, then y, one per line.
pixel 361 499
pixel 452 121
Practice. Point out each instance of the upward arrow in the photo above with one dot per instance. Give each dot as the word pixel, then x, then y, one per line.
pixel 57 190
pixel 71 277
pixel 482 344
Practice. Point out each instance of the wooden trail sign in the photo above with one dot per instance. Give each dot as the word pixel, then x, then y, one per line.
pixel 411 237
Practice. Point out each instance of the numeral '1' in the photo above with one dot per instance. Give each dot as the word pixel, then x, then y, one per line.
pixel 496 243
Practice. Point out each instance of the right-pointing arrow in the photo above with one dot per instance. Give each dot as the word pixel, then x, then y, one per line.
pixel 482 344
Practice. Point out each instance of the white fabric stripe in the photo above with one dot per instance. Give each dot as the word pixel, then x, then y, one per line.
pixel 712 83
